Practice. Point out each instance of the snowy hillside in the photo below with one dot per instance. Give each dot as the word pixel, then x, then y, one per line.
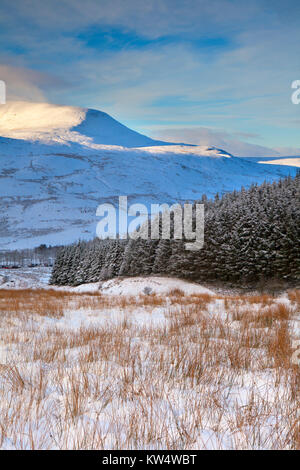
pixel 58 163
pixel 283 161
pixel 50 124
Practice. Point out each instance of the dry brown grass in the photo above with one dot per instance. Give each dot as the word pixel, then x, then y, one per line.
pixel 294 296
pixel 176 293
pixel 217 373
pixel 42 302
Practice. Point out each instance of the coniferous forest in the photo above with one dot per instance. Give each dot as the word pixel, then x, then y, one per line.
pixel 250 235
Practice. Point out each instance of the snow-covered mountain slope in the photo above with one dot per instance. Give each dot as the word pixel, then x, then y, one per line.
pixel 57 164
pixel 49 124
pixel 283 161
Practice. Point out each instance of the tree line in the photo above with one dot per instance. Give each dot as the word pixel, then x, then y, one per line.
pixel 250 235
pixel 41 255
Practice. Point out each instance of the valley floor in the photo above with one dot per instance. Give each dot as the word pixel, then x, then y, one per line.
pixel 146 363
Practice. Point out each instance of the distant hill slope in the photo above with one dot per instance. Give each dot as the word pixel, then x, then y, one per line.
pixel 58 163
pixel 50 124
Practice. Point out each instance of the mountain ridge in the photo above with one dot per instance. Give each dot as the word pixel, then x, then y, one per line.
pixel 48 123
pixel 53 178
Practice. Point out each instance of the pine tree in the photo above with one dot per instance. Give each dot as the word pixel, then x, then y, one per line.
pixel 250 234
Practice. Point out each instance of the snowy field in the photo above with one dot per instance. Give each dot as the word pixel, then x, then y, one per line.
pixel 24 278
pixel 145 363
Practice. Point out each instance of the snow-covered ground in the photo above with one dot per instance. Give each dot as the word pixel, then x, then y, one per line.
pixel 38 277
pixel 283 161
pixel 143 285
pixel 146 363
pixel 25 278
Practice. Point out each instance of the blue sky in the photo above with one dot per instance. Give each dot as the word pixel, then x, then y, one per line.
pixel 216 72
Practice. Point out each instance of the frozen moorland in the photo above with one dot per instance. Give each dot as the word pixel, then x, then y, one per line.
pixel 146 363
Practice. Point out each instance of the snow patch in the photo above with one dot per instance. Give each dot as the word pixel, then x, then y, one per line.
pixel 151 285
pixel 283 161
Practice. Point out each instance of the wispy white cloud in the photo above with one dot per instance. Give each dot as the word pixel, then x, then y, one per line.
pixel 288 151
pixel 212 137
pixel 153 18
pixel 23 84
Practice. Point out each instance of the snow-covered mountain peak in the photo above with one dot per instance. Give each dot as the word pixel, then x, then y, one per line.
pixel 56 124
pixel 82 129
pixel 26 120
